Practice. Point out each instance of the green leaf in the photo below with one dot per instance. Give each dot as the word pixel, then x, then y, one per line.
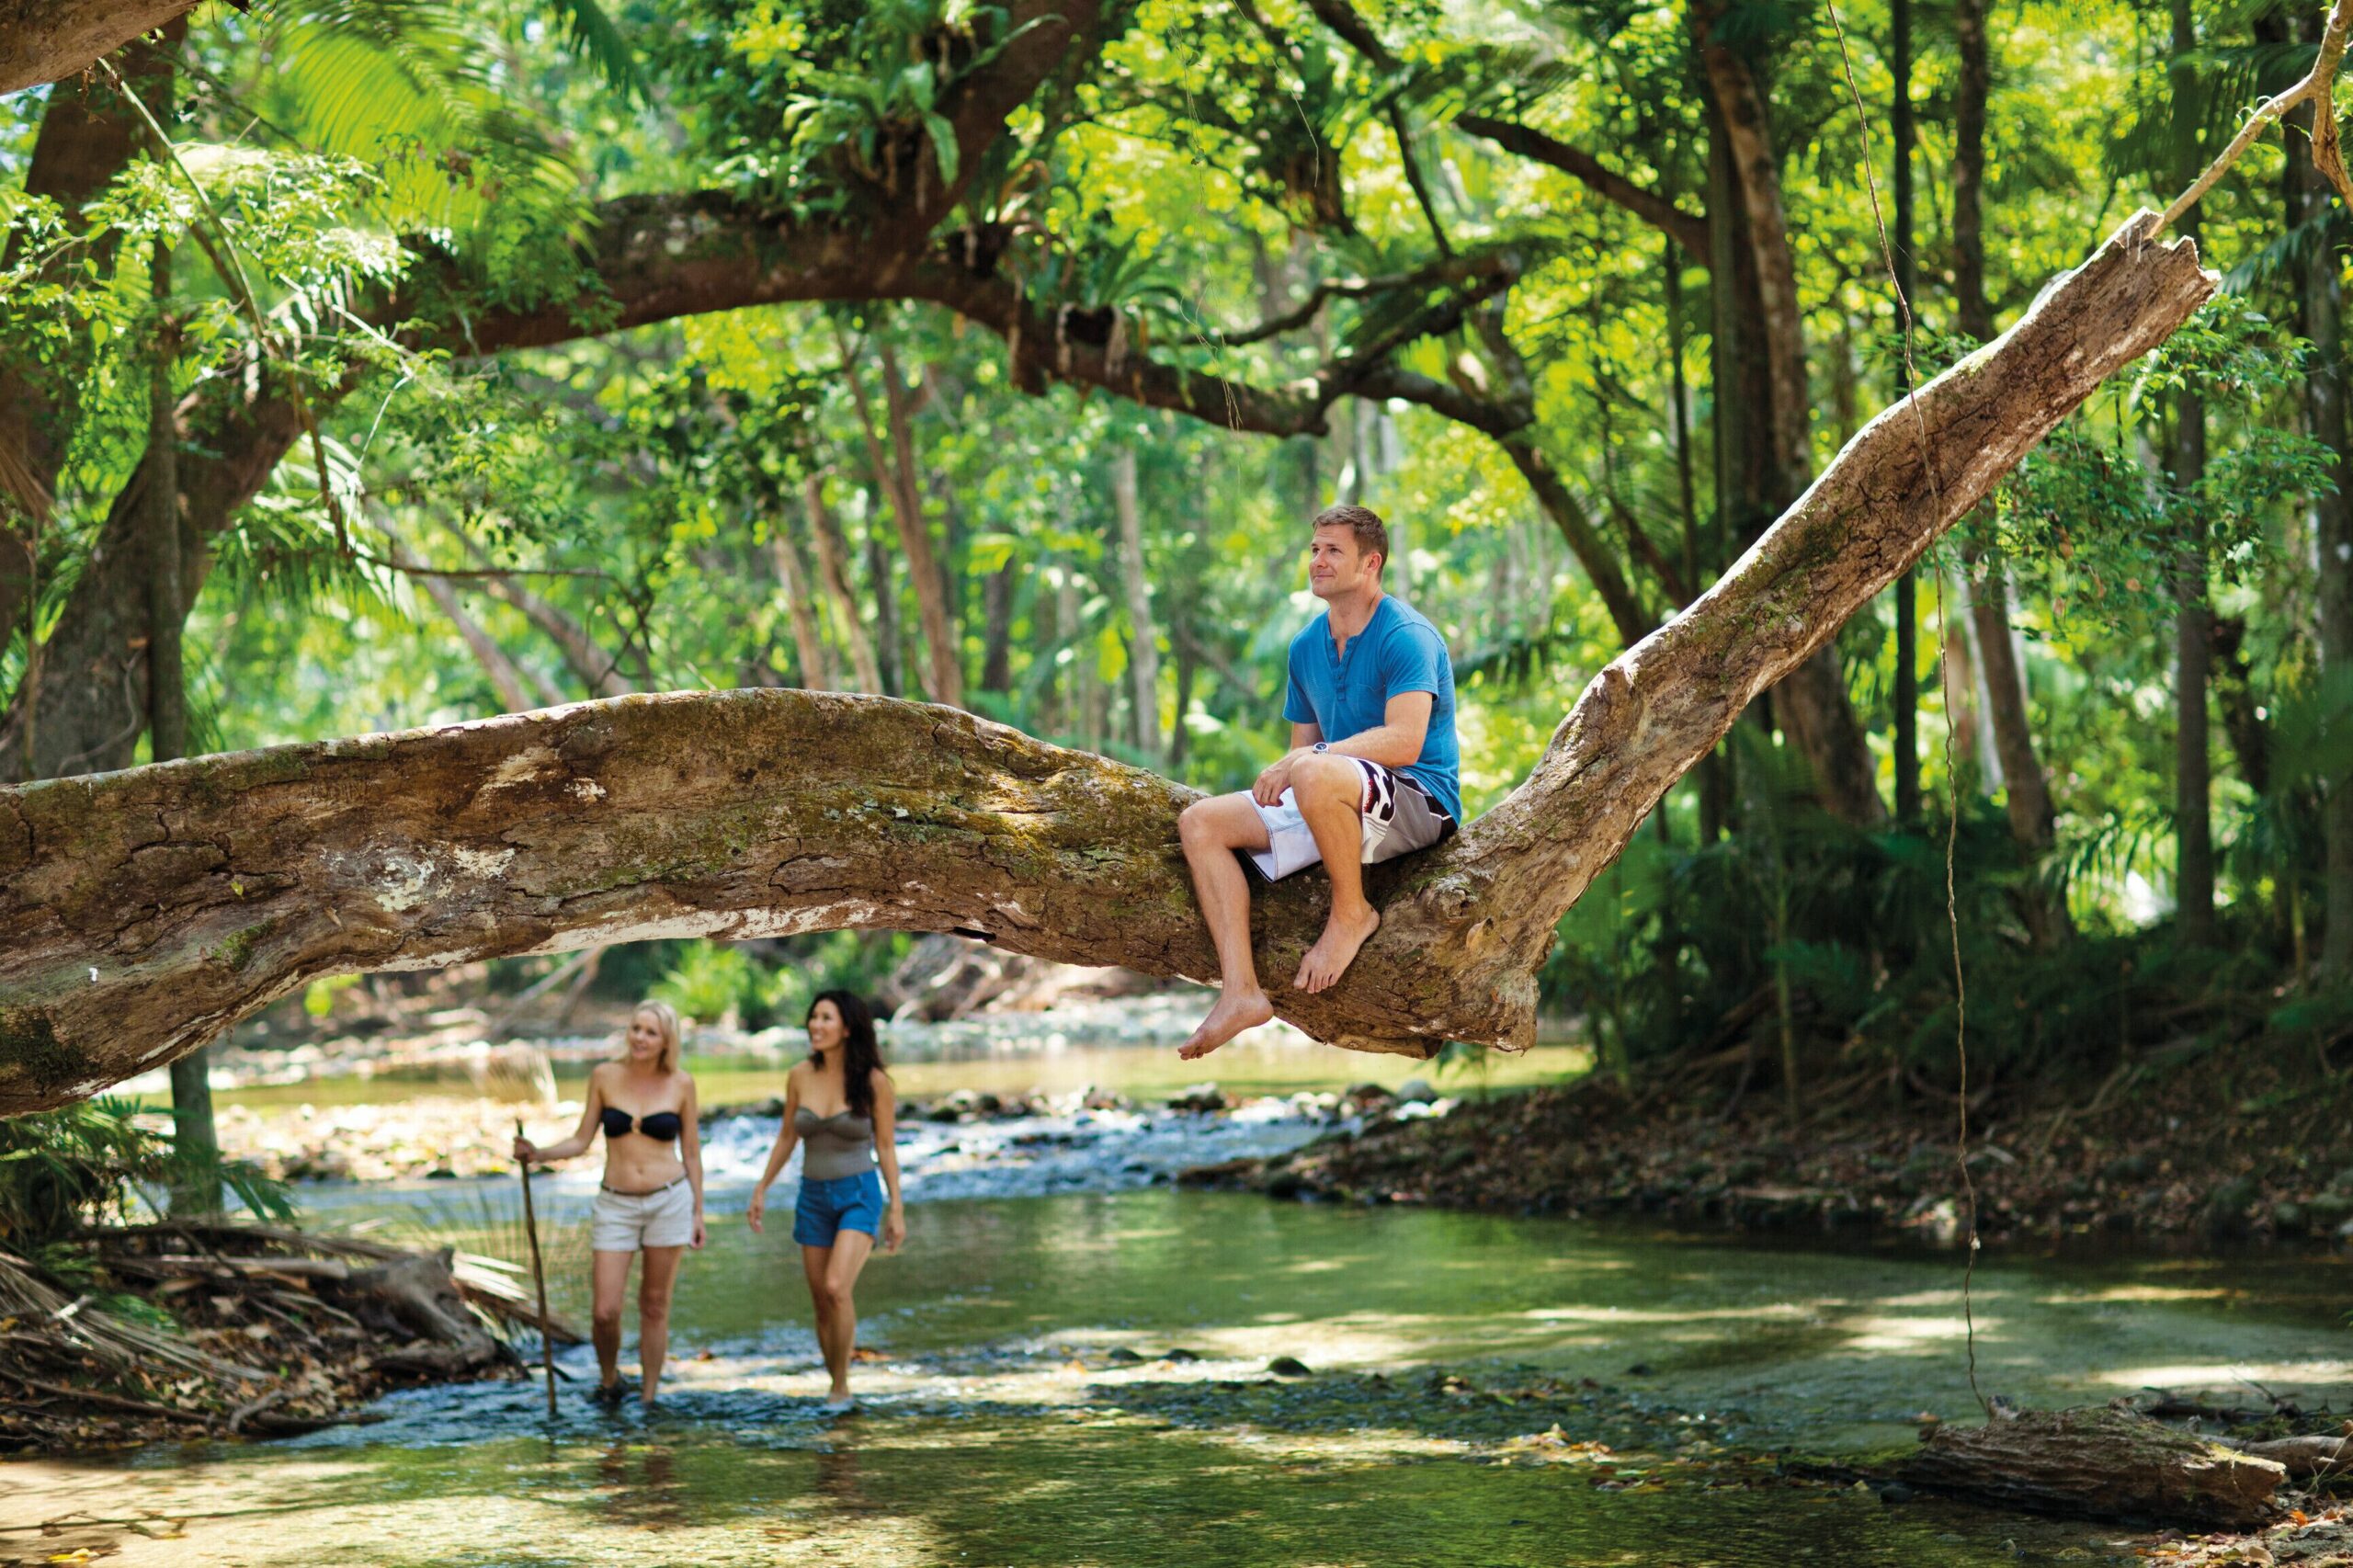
pixel 943 143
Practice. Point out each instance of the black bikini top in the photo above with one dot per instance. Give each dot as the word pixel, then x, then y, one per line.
pixel 662 1125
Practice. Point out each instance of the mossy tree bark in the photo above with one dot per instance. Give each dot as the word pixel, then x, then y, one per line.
pixel 2099 1462
pixel 143 911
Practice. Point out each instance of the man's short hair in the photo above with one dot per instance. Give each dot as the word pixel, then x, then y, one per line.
pixel 1372 534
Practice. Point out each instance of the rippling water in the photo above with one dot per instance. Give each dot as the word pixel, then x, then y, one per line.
pixel 1004 1428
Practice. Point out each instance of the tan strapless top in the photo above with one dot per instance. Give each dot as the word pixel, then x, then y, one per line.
pixel 838 1146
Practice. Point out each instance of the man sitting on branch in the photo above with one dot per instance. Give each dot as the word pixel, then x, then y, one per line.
pixel 1372 772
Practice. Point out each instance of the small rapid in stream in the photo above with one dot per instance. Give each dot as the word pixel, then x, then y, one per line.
pixel 1073 1365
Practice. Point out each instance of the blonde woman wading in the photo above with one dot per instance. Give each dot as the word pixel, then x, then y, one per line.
pixel 838 1103
pixel 651 1201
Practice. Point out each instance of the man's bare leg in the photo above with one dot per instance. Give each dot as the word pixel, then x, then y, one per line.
pixel 1330 792
pixel 1211 830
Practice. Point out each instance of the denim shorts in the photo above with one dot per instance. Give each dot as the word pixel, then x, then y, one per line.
pixel 828 1208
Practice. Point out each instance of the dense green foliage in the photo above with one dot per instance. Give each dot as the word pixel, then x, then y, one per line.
pixel 93 1164
pixel 708 500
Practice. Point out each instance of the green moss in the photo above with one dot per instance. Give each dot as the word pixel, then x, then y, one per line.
pixel 28 1044
pixel 238 950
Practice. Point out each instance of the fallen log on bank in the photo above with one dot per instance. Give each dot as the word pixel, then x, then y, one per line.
pixel 2099 1462
pixel 2315 1455
pixel 141 912
pixel 279 1332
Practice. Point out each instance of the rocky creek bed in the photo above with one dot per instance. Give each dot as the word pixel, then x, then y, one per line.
pixel 1161 1376
pixel 2162 1160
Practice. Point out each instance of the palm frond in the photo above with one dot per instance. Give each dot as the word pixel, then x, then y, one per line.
pixel 597 40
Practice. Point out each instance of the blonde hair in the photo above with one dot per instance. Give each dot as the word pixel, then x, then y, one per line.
pixel 665 1016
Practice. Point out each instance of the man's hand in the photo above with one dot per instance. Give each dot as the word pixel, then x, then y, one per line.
pixel 1268 790
pixel 756 1211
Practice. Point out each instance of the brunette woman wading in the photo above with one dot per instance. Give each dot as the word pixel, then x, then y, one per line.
pixel 651 1197
pixel 838 1103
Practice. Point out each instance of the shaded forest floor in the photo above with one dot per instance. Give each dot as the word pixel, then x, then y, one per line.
pixel 2259 1145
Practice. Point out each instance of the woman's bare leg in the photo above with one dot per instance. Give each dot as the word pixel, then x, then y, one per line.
pixel 818 1264
pixel 849 1254
pixel 608 1282
pixel 654 1289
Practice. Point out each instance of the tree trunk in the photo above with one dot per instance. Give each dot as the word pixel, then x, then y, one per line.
pixel 89 135
pixel 2098 1461
pixel 941 636
pixel 1755 170
pixel 1628 615
pixel 1972 86
pixel 166 610
pixel 1144 653
pixel 2027 790
pixel 941 672
pixel 2027 795
pixel 2236 698
pixel 890 667
pixel 2193 632
pixel 996 642
pixel 143 911
pixel 808 648
pixel 1907 291
pixel 833 556
pixel 2331 510
pixel 195 1189
pixel 2193 656
pixel 1179 733
pixel 1770 460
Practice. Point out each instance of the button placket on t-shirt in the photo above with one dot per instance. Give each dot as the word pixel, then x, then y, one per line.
pixel 1343 662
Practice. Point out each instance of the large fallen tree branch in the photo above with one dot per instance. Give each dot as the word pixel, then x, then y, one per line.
pixel 45 40
pixel 141 912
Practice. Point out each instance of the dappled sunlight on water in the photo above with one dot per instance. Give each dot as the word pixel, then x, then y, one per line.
pixel 1029 1409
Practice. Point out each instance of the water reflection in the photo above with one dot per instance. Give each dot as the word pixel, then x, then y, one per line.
pixel 640 1487
pixel 1030 1411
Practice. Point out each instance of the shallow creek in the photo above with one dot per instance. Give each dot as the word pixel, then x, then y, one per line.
pixel 1006 1426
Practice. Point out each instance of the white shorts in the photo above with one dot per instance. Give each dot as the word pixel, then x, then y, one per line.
pixel 1396 816
pixel 629 1221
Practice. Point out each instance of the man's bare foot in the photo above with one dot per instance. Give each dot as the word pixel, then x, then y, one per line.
pixel 1231 1014
pixel 1334 950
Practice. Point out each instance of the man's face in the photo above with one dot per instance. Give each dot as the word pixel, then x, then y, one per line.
pixel 1335 565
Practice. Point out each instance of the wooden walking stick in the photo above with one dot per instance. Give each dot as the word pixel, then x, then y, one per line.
pixel 538 1275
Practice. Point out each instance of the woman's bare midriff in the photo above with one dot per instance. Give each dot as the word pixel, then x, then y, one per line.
pixel 634 1163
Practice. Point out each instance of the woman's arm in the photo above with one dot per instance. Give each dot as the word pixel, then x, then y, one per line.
pixel 786 1137
pixel 690 1151
pixel 886 1155
pixel 591 1117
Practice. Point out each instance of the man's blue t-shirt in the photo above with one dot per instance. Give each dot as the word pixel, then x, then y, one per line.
pixel 1346 694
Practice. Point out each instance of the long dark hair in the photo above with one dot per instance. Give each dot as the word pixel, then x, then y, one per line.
pixel 861 1054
